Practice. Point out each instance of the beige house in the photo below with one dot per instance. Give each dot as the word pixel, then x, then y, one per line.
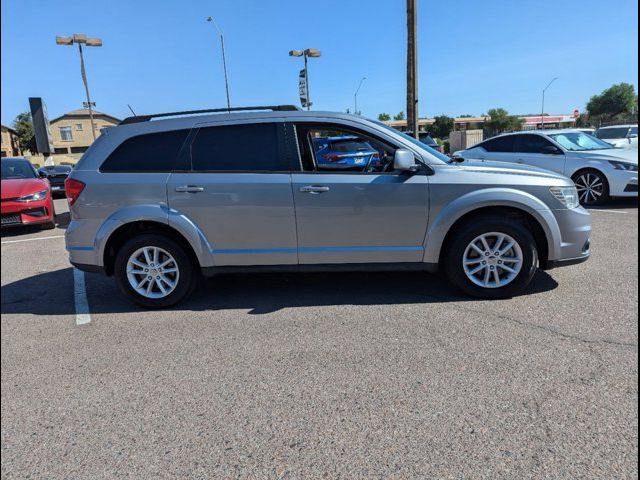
pixel 10 146
pixel 72 131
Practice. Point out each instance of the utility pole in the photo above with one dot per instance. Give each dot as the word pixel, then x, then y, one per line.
pixel 355 96
pixel 412 67
pixel 543 93
pixel 80 39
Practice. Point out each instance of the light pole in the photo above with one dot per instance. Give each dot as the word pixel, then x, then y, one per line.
pixel 543 92
pixel 81 39
pixel 224 59
pixel 355 96
pixel 309 52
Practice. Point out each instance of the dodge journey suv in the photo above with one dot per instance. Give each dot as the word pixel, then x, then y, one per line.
pixel 162 199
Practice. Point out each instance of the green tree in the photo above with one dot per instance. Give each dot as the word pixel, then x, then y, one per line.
pixel 617 100
pixel 23 125
pixel 442 126
pixel 399 116
pixel 500 121
pixel 466 115
pixel 384 117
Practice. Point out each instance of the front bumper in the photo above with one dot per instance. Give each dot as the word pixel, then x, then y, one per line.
pixel 623 184
pixel 575 243
pixel 26 213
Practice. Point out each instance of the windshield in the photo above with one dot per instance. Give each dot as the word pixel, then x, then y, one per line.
pixel 608 133
pixel 579 142
pixel 15 169
pixel 418 143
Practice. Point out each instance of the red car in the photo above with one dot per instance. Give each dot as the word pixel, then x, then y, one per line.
pixel 26 199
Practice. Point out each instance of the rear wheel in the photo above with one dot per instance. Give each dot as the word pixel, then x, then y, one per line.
pixel 593 188
pixel 154 271
pixel 492 257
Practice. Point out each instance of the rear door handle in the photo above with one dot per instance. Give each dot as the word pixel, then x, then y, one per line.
pixel 314 189
pixel 190 189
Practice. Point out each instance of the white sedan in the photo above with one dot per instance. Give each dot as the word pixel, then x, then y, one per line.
pixel 621 136
pixel 598 169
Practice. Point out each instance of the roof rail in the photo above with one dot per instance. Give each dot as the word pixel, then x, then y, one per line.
pixel 146 118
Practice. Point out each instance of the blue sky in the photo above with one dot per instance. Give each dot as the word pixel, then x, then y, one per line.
pixel 161 55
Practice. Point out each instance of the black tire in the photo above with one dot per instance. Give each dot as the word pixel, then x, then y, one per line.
pixel 600 196
pixel 49 225
pixel 187 279
pixel 462 237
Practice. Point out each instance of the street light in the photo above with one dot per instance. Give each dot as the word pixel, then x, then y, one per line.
pixel 80 39
pixel 224 59
pixel 309 52
pixel 543 92
pixel 355 96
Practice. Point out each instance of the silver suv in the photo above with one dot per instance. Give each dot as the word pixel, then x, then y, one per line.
pixel 158 202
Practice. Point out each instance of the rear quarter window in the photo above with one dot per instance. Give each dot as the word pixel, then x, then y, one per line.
pixel 152 152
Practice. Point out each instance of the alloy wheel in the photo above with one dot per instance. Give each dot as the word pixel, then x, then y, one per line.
pixel 492 260
pixel 152 272
pixel 590 187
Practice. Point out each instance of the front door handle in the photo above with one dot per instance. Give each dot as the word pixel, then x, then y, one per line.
pixel 190 189
pixel 314 189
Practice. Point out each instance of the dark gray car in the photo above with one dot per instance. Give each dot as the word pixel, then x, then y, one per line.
pixel 156 202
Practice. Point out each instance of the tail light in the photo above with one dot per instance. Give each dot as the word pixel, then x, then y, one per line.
pixel 332 157
pixel 73 188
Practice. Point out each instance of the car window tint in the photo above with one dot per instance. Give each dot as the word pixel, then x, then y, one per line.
pixel 238 148
pixel 531 143
pixel 499 144
pixel 152 152
pixel 606 133
pixel 633 131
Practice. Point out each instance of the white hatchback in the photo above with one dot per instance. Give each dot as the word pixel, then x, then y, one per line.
pixel 598 169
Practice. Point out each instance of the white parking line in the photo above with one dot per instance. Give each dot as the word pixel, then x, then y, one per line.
pixel 607 211
pixel 80 293
pixel 31 239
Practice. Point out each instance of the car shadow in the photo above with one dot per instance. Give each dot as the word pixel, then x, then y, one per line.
pixel 258 293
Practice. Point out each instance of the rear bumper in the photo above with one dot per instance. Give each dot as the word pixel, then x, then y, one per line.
pixel 89 268
pixel 567 262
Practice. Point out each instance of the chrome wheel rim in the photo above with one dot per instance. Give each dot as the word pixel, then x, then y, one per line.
pixel 590 188
pixel 152 272
pixel 492 260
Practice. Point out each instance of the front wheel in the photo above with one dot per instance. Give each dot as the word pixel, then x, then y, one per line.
pixel 593 188
pixel 154 271
pixel 492 257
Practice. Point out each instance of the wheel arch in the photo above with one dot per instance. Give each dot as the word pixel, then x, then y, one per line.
pixel 512 203
pixel 137 219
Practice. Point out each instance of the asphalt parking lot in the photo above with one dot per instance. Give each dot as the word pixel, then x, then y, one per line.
pixel 322 375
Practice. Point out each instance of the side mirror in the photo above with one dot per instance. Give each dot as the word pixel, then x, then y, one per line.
pixel 551 150
pixel 457 159
pixel 42 174
pixel 404 161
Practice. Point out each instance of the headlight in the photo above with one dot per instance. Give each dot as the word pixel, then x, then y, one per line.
pixel 568 196
pixel 629 167
pixel 34 196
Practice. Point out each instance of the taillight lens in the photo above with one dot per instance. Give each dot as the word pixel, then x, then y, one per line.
pixel 73 189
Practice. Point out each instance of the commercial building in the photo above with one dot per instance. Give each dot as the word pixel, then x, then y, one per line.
pixel 72 131
pixel 10 145
pixel 531 122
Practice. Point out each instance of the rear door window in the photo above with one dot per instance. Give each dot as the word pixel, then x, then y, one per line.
pixel 499 144
pixel 240 148
pixel 531 143
pixel 153 152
